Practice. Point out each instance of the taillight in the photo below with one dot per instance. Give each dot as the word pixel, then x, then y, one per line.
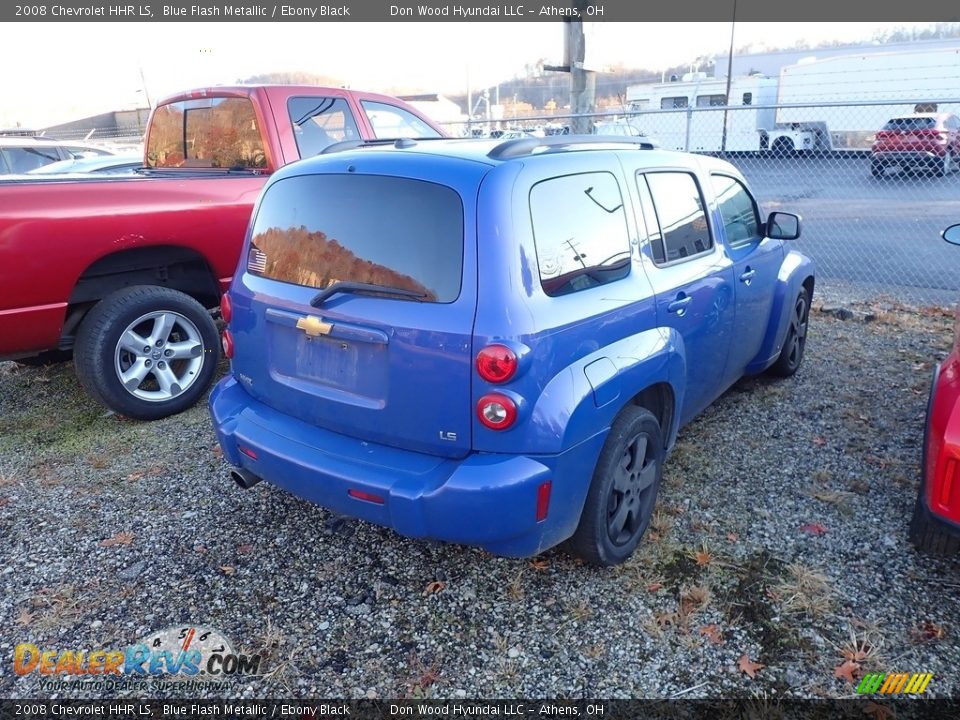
pixel 496 363
pixel 543 500
pixel 496 411
pixel 226 307
pixel 364 495
pixel 227 342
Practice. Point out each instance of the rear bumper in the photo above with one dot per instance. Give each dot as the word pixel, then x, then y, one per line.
pixel 483 499
pixel 909 156
pixel 940 489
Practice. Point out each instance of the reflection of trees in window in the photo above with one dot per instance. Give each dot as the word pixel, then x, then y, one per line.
pixel 219 133
pixel 297 255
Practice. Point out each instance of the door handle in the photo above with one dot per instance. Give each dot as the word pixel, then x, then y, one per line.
pixel 679 306
pixel 747 277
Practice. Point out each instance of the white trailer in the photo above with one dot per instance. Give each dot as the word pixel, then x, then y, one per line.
pixel 903 77
pixel 688 114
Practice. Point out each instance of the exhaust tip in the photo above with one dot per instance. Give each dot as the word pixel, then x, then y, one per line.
pixel 244 479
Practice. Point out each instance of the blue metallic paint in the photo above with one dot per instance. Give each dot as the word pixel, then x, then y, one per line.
pixel 582 358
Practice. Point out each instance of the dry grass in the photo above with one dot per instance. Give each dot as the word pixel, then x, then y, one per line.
pixel 804 590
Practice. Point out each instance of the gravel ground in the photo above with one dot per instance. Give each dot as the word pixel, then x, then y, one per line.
pixel 780 536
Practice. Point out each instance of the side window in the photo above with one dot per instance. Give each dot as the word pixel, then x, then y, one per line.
pixel 580 231
pixel 390 121
pixel 737 208
pixel 320 122
pixel 681 214
pixel 668 103
pixel 711 100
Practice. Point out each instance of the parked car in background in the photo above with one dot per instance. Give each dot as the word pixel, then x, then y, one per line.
pixel 123 272
pixel 922 140
pixel 936 517
pixel 101 165
pixel 509 365
pixel 20 155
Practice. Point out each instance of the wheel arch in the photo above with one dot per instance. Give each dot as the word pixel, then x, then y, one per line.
pixel 175 267
pixel 797 272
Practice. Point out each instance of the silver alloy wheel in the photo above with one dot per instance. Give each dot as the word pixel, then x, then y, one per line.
pixel 159 355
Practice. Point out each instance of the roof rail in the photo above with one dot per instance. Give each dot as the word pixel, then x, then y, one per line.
pixel 518 147
pixel 404 142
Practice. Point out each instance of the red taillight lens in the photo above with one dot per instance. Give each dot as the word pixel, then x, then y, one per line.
pixel 543 500
pixel 363 495
pixel 248 452
pixel 227 342
pixel 496 363
pixel 226 308
pixel 496 411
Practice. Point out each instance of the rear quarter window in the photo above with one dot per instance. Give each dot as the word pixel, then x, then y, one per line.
pixel 315 230
pixel 580 232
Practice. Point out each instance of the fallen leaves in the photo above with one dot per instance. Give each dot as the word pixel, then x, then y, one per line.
pixel 813 529
pixel 654 587
pixel 819 440
pixel 713 634
pixel 540 564
pixel 733 537
pixel 928 631
pixel 434 587
pixel 244 549
pixel 848 670
pixel 703 557
pixel 228 569
pixel 25 618
pixel 121 538
pixel 748 667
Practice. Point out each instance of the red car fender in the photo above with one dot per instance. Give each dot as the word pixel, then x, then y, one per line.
pixel 942 466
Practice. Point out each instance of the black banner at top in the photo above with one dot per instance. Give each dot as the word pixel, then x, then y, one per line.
pixel 475 11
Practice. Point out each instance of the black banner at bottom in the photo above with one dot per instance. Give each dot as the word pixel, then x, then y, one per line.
pixel 875 708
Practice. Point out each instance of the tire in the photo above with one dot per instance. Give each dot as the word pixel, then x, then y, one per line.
pixel 133 332
pixel 927 535
pixel 783 148
pixel 623 491
pixel 877 169
pixel 791 354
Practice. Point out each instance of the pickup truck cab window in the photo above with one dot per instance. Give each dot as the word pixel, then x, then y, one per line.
pixel 741 222
pixel 320 122
pixel 679 210
pixel 206 133
pixel 390 121
pixel 580 232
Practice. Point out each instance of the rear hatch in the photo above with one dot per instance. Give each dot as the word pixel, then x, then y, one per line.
pixel 909 134
pixel 355 314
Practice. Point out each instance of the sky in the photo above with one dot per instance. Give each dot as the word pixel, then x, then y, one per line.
pixel 56 72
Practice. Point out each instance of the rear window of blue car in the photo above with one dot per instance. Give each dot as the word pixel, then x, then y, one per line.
pixel 315 230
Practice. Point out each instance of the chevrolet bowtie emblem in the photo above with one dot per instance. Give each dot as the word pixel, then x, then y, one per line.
pixel 314 326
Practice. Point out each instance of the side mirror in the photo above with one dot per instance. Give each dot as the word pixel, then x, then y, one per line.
pixel 783 226
pixel 952 234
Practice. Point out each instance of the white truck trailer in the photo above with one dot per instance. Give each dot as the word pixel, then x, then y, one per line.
pixel 812 105
pixel 812 92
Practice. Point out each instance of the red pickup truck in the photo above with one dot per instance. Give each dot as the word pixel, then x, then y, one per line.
pixel 121 271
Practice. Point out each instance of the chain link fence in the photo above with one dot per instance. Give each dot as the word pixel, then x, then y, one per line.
pixel 872 213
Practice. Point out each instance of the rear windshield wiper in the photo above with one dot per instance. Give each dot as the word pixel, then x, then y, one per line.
pixel 358 287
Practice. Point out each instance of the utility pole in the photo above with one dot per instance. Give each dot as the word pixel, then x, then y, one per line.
pixel 583 83
pixel 726 104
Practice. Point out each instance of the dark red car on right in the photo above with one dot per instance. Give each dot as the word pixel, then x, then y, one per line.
pixel 936 518
pixel 922 140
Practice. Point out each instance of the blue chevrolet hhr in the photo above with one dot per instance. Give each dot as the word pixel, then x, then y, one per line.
pixel 496 343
